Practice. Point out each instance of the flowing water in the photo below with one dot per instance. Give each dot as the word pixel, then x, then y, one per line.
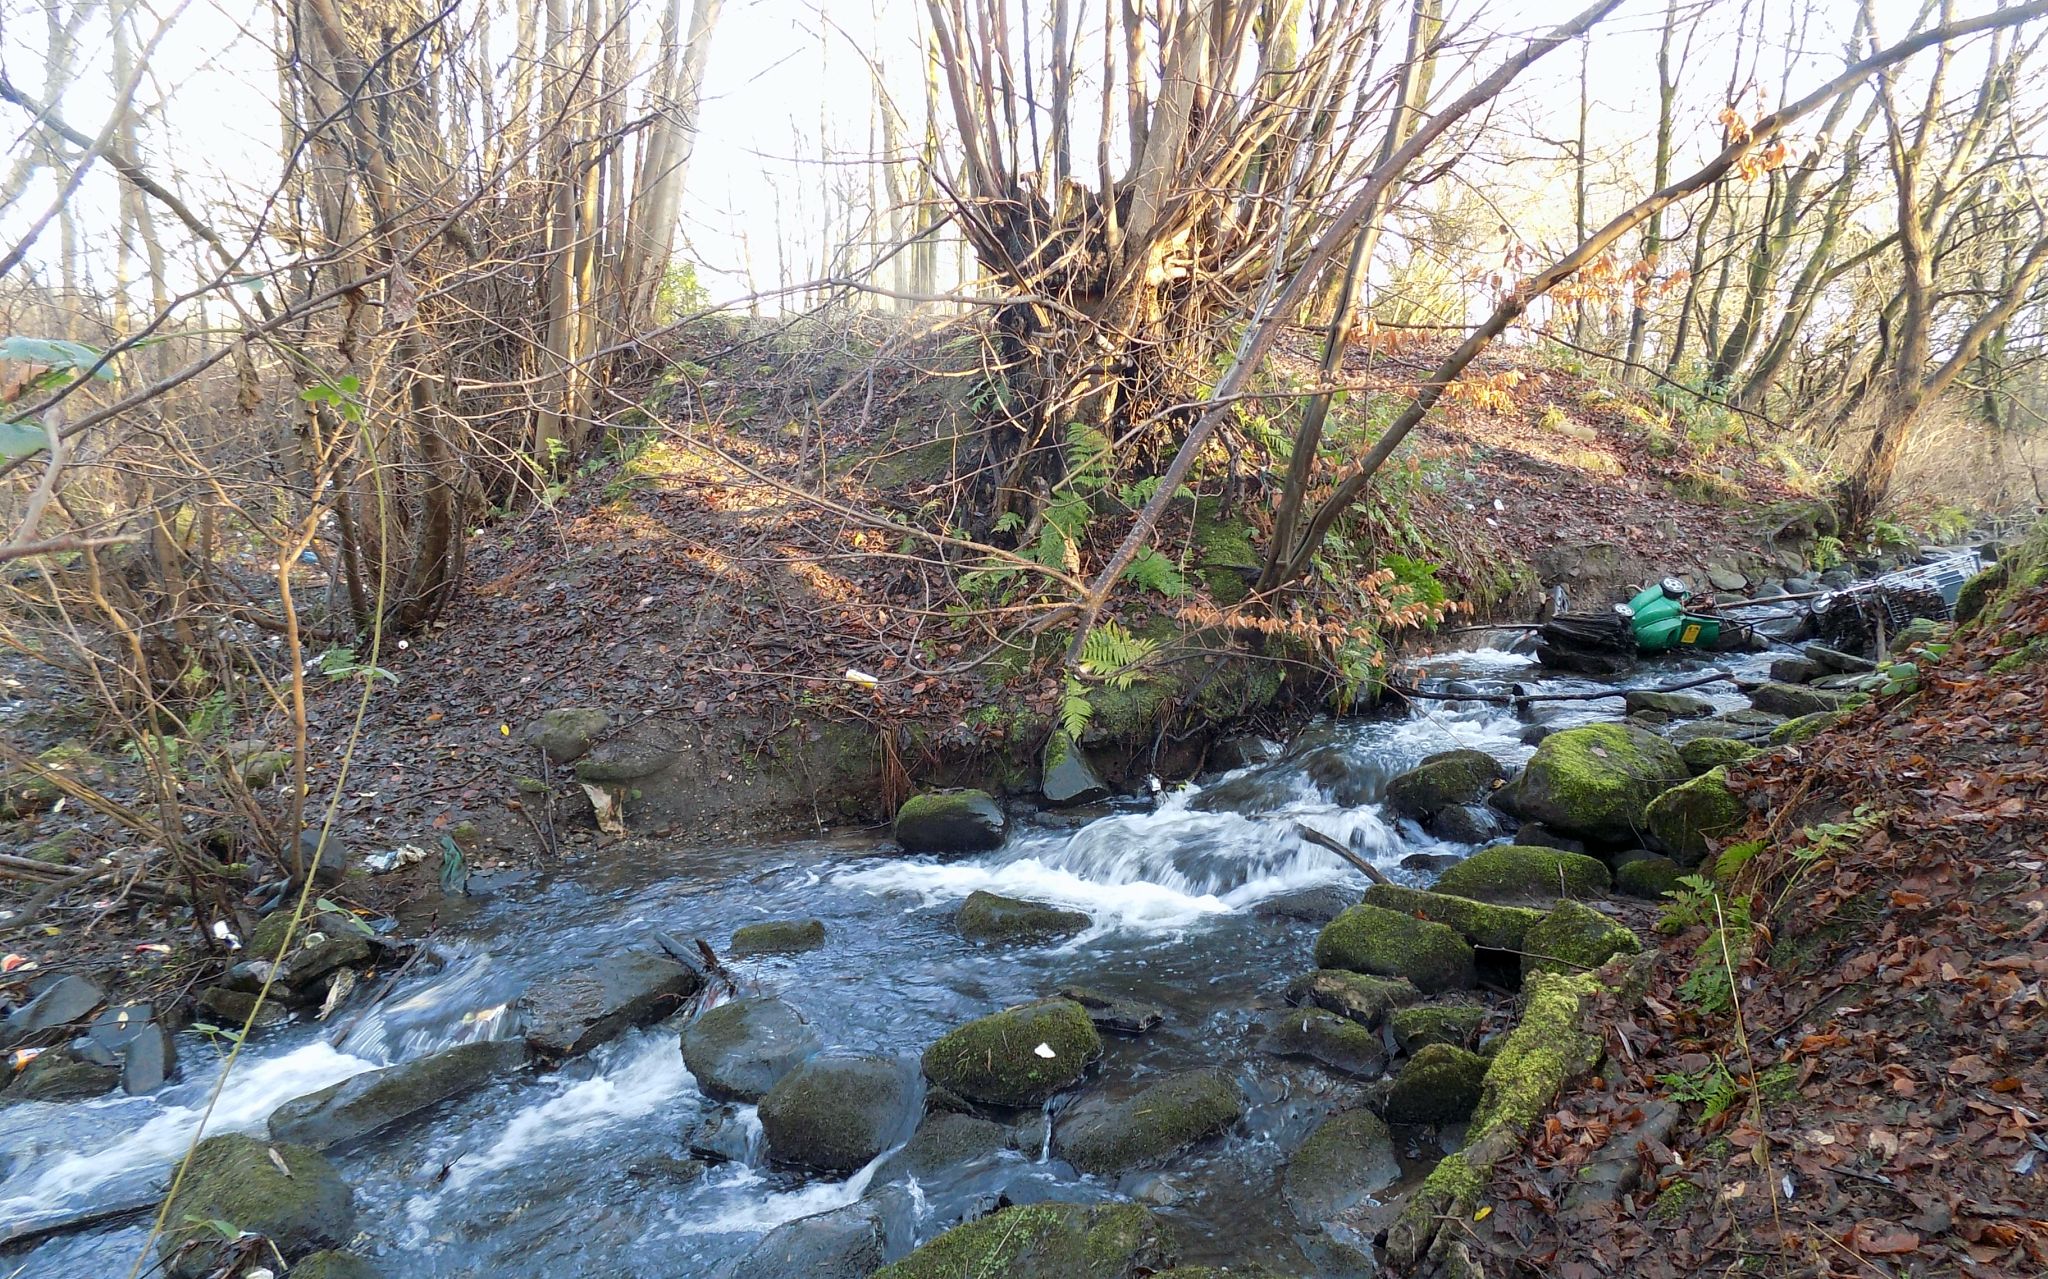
pixel 582 1171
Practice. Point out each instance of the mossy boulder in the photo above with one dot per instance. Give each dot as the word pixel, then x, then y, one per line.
pixel 1574 937
pixel 1794 731
pixel 1361 997
pixel 1388 943
pixel 58 1074
pixel 1439 1085
pixel 1649 876
pixel 1675 705
pixel 301 1207
pixel 1519 873
pixel 1105 1137
pixel 834 1114
pixel 1687 819
pixel 1348 1157
pixel 565 733
pixel 1337 1042
pixel 1796 699
pixel 777 937
pixel 1705 754
pixel 328 1264
pixel 944 1142
pixel 1484 924
pixel 991 917
pixel 1442 781
pixel 268 935
pixel 1066 775
pixel 1594 782
pixel 740 1049
pixel 1046 1241
pixel 953 821
pixel 1980 588
pixel 1420 1025
pixel 376 1099
pixel 997 1060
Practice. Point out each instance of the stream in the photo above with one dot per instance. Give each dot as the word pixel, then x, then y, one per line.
pixel 583 1171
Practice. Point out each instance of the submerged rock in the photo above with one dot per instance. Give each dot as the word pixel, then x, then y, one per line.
pixel 845 1243
pixel 1465 824
pixel 569 1015
pixel 1484 924
pixel 1686 819
pixel 738 1050
pixel 366 1103
pixel 1516 873
pixel 944 1142
pixel 1360 997
pixel 955 821
pixel 1442 781
pixel 1572 938
pixel 1114 1014
pixel 1323 1036
pixel 1420 1025
pixel 1372 939
pixel 777 937
pixel 724 1136
pixel 990 917
pixel 1594 782
pixel 328 1264
pixel 302 1206
pixel 1317 905
pixel 1046 1241
pixel 1439 1085
pixel 1348 1157
pixel 1017 1057
pixel 834 1114
pixel 1101 1136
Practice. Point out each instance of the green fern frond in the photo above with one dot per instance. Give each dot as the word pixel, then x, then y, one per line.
pixel 1075 709
pixel 1152 571
pixel 1112 654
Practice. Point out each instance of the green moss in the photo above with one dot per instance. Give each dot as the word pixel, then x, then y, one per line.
pixel 1420 1025
pixel 1349 1156
pixel 1444 779
pixel 301 1207
pixel 1688 819
pixel 1572 938
pixel 1108 1138
pixel 1673 1201
pixel 1705 754
pixel 1371 939
pixel 1520 872
pixel 56 850
pixel 1794 731
pixel 335 1265
pixel 2035 650
pixel 994 1059
pixel 777 937
pixel 1361 997
pixel 989 917
pixel 268 935
pixel 1044 1241
pixel 1483 924
pixel 1226 559
pixel 1977 592
pixel 1452 1189
pixel 1647 877
pixel 1439 1085
pixel 1594 782
pixel 1546 1049
pixel 1337 1042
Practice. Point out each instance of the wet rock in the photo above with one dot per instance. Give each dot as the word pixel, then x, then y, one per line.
pixel 565 733
pixel 1648 876
pixel 835 1114
pixel 723 1136
pixel 777 937
pixel 58 1004
pixel 989 917
pixel 268 936
pixel 327 856
pixel 1105 1137
pixel 1439 1085
pixel 1676 705
pixel 1794 731
pixel 374 1100
pixel 943 1143
pixel 1348 1157
pixel 301 1207
pixel 230 1009
pixel 1794 670
pixel 845 1243
pixel 1688 818
pixel 1795 699
pixel 1649 719
pixel 1337 1042
pixel 1428 863
pixel 148 1054
pixel 1253 793
pixel 738 1050
pixel 328 1264
pixel 1420 1025
pixel 1705 754
pixel 320 956
pixel 1017 1057
pixel 1066 776
pixel 1317 905
pixel 1046 1241
pixel 1114 1014
pixel 1346 777
pixel 569 1015
pixel 1360 997
pixel 1464 824
pixel 60 1074
pixel 1535 733
pixel 957 821
pixel 1594 782
pixel 1483 924
pixel 1441 781
pixel 1241 750
pixel 1573 938
pixel 1746 725
pixel 1518 873
pixel 1835 662
pixel 1370 939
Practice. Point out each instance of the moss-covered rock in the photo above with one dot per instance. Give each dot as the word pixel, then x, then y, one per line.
pixel 1420 1025
pixel 1573 938
pixel 1484 924
pixel 328 1264
pixel 1687 819
pixel 1794 731
pixel 1066 775
pixel 955 821
pixel 1520 873
pixel 301 1207
pixel 1348 1157
pixel 58 1074
pixel 1439 1085
pixel 944 1142
pixel 1441 781
pixel 268 935
pixel 995 1059
pixel 1319 1035
pixel 1045 1241
pixel 1101 1136
pixel 1796 699
pixel 990 917
pixel 1705 754
pixel 1388 943
pixel 1648 876
pixel 1594 782
pixel 23 793
pixel 1361 997
pixel 1674 705
pixel 738 1050
pixel 834 1114
pixel 1977 591
pixel 777 937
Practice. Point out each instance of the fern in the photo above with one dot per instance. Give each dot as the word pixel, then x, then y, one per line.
pixel 1008 522
pixel 1075 709
pixel 1112 654
pixel 1087 458
pixel 1152 571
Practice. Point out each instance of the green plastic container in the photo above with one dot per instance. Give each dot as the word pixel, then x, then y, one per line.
pixel 1658 617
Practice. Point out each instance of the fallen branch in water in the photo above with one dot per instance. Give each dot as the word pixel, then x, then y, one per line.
pixel 1711 677
pixel 1316 837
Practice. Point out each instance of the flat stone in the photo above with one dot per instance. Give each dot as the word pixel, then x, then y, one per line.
pixel 1337 1042
pixel 569 1015
pixel 1348 1157
pixel 367 1103
pixel 845 1243
pixel 991 917
pixel 1313 905
pixel 1114 1014
pixel 59 1074
pixel 60 1003
pixel 1795 699
pixel 1104 1136
pixel 1794 670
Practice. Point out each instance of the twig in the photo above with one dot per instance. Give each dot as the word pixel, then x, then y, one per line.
pixel 1316 837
